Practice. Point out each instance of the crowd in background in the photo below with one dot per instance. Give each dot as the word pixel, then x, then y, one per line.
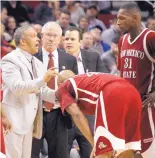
pixel 96 20
pixel 99 36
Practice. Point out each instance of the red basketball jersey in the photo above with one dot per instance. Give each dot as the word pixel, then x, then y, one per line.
pixel 85 89
pixel 135 62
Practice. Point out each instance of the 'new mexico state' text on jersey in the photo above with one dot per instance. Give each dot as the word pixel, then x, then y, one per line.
pixel 136 63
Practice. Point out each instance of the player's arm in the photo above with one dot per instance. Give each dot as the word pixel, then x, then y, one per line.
pixel 80 121
pixel 65 95
pixel 150 45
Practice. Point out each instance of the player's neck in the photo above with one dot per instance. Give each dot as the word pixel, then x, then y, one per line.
pixel 134 32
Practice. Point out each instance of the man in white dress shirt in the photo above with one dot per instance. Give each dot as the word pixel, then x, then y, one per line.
pixel 86 62
pixel 54 122
pixel 24 87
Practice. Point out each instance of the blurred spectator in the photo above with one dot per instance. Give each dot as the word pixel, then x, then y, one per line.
pixel 64 20
pixel 112 33
pixel 92 13
pixel 17 10
pixel 151 23
pixel 76 11
pixel 10 28
pixel 99 45
pixel 56 14
pixel 110 59
pixel 61 44
pixel 43 13
pixel 83 24
pixel 37 28
pixel 103 6
pixel 87 41
pixel 4 14
pixel 145 6
pixel 5 47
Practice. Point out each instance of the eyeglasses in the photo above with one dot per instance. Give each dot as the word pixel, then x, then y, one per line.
pixel 51 35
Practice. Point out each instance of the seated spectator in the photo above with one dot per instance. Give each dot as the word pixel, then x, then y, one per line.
pixel 99 45
pixel 83 24
pixel 43 13
pixel 5 46
pixel 37 28
pixel 10 28
pixel 110 59
pixel 103 6
pixel 151 23
pixel 92 12
pixel 17 10
pixel 56 14
pixel 87 41
pixel 61 44
pixel 110 34
pixel 64 20
pixel 4 14
pixel 76 11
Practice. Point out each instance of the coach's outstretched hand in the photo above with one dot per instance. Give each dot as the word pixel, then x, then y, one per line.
pixel 51 73
pixel 150 99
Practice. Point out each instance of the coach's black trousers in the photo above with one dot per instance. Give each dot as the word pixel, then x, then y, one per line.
pixel 56 134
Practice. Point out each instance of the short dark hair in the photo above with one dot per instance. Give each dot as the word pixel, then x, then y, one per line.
pixel 131 6
pixel 151 18
pixel 65 12
pixel 83 17
pixel 72 28
pixel 92 6
pixel 97 27
pixel 19 33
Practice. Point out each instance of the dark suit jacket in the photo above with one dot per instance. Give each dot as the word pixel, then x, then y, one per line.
pixel 92 62
pixel 66 61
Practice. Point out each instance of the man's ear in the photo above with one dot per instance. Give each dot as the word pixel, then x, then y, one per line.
pixel 135 17
pixel 22 41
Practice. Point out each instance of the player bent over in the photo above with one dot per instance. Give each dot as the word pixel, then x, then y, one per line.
pixel 116 105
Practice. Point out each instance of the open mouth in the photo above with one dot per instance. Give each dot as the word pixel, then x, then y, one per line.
pixel 37 45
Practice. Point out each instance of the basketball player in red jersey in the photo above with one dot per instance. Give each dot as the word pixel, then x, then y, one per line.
pixel 112 100
pixel 136 62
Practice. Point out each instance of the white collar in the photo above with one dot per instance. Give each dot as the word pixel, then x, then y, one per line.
pixel 79 57
pixel 54 53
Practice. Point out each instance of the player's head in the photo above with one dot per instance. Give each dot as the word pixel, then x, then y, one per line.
pixel 64 75
pixel 129 16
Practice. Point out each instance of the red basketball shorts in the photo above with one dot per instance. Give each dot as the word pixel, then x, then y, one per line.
pixel 118 117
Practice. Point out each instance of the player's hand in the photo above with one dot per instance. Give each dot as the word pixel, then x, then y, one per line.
pixel 150 99
pixel 51 73
pixel 6 124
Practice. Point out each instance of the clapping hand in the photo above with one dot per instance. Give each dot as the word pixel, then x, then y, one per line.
pixel 51 73
pixel 150 99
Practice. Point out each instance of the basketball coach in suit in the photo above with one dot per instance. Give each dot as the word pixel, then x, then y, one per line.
pixel 86 62
pixel 55 124
pixel 24 87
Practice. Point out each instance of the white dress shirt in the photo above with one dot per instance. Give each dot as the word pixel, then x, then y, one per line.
pixel 56 65
pixel 80 64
